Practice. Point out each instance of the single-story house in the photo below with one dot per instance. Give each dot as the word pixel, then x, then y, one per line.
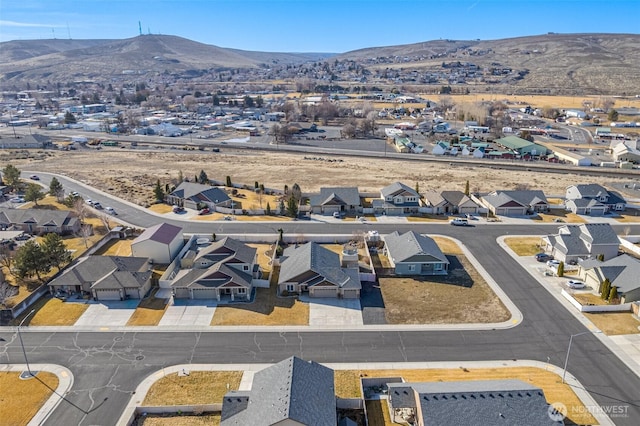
pixel 450 202
pixel 317 270
pixel 584 241
pixel 160 243
pixel 291 392
pixel 192 195
pixel 397 198
pixel 106 278
pixel 339 199
pixel 622 271
pixel 473 402
pixel 415 254
pixel 612 201
pixel 515 203
pixel 224 269
pixel 38 222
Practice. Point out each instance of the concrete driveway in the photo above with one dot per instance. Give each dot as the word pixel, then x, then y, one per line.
pixel 189 312
pixel 108 313
pixel 329 311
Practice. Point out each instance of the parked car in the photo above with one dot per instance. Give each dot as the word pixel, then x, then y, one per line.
pixel 89 201
pixel 553 263
pixel 97 205
pixel 34 177
pixel 17 200
pixel 459 222
pixel 576 284
pixel 336 215
pixel 543 257
pixel 204 211
pixel 111 211
pixel 75 194
pixel 178 209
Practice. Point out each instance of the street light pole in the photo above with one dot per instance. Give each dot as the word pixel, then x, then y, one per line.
pixel 566 360
pixel 22 343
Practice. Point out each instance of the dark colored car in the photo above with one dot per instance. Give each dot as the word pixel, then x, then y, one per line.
pixel 543 257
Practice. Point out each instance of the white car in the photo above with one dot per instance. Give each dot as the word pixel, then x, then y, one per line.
pixel 575 284
pixel 553 263
pixel 17 200
pixel 459 222
pixel 111 211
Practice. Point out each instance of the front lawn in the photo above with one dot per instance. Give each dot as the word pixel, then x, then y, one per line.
pixel 21 399
pixel 149 311
pixel 52 311
pixel 524 246
pixel 199 387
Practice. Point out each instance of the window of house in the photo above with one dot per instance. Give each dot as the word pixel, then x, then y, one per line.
pixel 242 290
pixel 291 287
pixel 412 268
pixel 437 266
pixel 245 267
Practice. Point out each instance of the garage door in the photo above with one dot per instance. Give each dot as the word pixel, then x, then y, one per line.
pixel 204 293
pixel 108 294
pixel 322 292
pixel 351 294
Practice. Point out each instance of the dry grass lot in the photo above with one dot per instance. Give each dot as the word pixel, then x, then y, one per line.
pixel 26 397
pixel 378 412
pixel 538 101
pixel 199 387
pixel 462 296
pixel 523 246
pixel 52 311
pixel 628 218
pixel 149 311
pixel 589 299
pixel 208 419
pixel 613 324
pixel 266 309
pixel 559 215
pixel 264 257
pixel 555 391
pixel 116 247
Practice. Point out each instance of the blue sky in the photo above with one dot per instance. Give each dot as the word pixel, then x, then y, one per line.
pixel 313 25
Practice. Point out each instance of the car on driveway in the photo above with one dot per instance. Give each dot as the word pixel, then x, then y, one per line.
pixel 459 222
pixel 17 200
pixel 204 211
pixel 543 257
pixel 553 263
pixel 178 209
pixel 575 284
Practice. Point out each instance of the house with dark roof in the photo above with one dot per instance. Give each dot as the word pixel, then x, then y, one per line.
pixel 622 271
pixel 584 241
pixel 223 270
pixel 478 402
pixel 291 392
pixel 415 254
pixel 160 243
pixel 317 270
pixel 396 199
pixel 592 199
pixel 38 221
pixel 194 195
pixel 345 200
pixel 450 202
pixel 106 278
pixel 515 203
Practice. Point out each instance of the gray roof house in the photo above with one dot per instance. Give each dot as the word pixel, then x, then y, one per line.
pixel 331 200
pixel 291 392
pixel 37 221
pixel 622 271
pixel 515 203
pixel 189 195
pixel 397 198
pixel 450 202
pixel 106 277
pixel 479 402
pixel 161 243
pixel 224 269
pixel 584 241
pixel 415 254
pixel 593 199
pixel 317 270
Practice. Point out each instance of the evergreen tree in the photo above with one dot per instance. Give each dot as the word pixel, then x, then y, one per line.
pixel 281 207
pixel 561 269
pixel 613 294
pixel 466 189
pixel 33 193
pixel 203 178
pixel 158 192
pixel 292 206
pixel 28 261
pixel 268 210
pixel 228 183
pixel 613 115
pixel 11 176
pixel 54 250
pixel 417 187
pixel 69 118
pixel 56 189
pixel 606 288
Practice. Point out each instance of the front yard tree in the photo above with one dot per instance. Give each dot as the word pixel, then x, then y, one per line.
pixel 613 115
pixel 56 189
pixel 613 294
pixel 55 251
pixel 268 210
pixel 292 206
pixel 203 178
pixel 34 193
pixel 561 269
pixel 28 261
pixel 69 118
pixel 158 192
pixel 228 183
pixel 606 288
pixel 466 188
pixel 11 176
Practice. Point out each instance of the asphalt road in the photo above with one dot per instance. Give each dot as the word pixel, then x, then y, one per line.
pixel 107 366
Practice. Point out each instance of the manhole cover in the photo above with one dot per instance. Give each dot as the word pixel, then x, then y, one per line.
pixel 117 339
pixel 139 357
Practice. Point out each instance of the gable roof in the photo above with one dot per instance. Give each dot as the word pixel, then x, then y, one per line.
pixel 410 244
pixel 322 262
pixel 572 240
pixel 591 190
pixel 349 196
pixel 397 188
pixel 456 198
pixel 433 198
pixel 39 217
pixel 198 192
pixel 106 272
pixel 163 233
pixel 216 276
pixel 480 402
pixel 623 272
pixel 227 249
pixel 293 389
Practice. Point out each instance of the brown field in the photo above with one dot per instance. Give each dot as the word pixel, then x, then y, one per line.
pixel 538 101
pixel 199 387
pixel 524 246
pixel 616 323
pixel 132 175
pixel 52 311
pixel 149 311
pixel 25 397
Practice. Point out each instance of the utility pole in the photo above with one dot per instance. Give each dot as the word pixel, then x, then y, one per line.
pixel 22 343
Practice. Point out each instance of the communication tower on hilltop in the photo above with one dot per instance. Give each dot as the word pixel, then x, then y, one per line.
pixel 140 27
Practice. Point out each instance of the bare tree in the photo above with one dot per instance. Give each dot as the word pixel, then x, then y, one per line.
pixel 105 222
pixel 6 261
pixel 86 230
pixel 80 209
